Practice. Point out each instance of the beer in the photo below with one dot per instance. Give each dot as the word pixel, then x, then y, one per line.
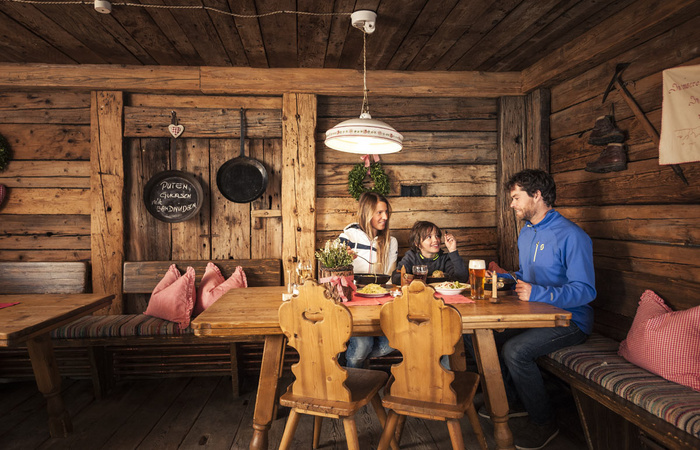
pixel 420 273
pixel 477 278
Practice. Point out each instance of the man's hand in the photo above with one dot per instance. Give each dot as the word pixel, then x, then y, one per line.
pixel 523 290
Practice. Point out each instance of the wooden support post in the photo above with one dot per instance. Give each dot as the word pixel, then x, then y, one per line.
pixel 107 189
pixel 298 178
pixel 523 143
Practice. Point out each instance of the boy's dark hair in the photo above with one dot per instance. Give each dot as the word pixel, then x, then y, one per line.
pixel 531 181
pixel 420 231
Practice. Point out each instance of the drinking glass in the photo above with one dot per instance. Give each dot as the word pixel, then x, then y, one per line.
pixel 477 278
pixel 304 271
pixel 420 273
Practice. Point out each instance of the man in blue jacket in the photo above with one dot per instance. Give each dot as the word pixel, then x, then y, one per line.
pixel 556 267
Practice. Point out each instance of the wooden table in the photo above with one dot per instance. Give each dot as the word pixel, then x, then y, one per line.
pixel 253 312
pixel 31 322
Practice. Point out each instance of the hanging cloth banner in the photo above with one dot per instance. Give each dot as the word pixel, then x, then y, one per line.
pixel 680 116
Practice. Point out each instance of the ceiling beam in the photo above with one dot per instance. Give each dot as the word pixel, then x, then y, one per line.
pixel 250 81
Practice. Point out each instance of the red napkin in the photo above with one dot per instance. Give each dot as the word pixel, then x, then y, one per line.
pixel 5 305
pixel 454 298
pixel 359 300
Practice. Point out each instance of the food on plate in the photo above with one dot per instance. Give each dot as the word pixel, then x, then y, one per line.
pixel 438 274
pixel 372 288
pixel 451 285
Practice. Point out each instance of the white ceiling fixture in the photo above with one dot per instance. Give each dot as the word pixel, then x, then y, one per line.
pixel 365 136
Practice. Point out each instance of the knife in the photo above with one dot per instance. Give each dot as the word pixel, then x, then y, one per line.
pixel 512 274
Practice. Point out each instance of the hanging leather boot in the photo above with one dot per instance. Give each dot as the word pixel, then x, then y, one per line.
pixel 605 132
pixel 613 158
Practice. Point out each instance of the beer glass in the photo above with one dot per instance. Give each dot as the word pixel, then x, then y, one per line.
pixel 477 277
pixel 420 273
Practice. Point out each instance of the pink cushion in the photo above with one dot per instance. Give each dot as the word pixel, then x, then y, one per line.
pixel 213 286
pixel 173 297
pixel 665 342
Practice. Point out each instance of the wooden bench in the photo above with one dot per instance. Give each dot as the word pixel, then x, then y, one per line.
pixel 617 400
pixel 157 346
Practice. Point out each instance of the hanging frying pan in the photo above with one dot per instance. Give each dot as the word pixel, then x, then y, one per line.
pixel 173 195
pixel 242 179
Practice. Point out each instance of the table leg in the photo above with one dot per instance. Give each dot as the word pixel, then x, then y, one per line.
pixel 487 354
pixel 49 382
pixel 266 398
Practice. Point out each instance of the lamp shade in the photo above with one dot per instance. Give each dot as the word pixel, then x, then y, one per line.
pixel 364 136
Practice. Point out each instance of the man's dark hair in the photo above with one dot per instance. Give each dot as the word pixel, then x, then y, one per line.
pixel 531 181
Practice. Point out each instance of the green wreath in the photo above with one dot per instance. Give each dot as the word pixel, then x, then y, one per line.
pixel 357 176
pixel 5 153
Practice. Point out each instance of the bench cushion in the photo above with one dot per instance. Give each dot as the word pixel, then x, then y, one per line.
pixel 126 325
pixel 598 361
pixel 665 342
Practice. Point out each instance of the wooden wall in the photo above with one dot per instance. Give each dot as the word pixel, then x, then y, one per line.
pixel 46 215
pixel 644 221
pixel 449 150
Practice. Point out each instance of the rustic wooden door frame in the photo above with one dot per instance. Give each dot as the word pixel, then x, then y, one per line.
pixel 523 143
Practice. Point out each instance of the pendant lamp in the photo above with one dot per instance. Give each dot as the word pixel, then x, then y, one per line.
pixel 365 136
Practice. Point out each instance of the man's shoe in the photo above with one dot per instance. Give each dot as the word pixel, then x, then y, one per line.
pixel 613 158
pixel 605 132
pixel 516 411
pixel 534 436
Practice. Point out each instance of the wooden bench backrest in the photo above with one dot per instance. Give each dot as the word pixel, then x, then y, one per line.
pixel 44 277
pixel 140 277
pixel 616 304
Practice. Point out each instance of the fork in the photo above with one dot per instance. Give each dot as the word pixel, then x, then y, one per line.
pixel 512 274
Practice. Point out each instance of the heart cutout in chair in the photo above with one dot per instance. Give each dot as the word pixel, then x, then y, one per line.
pixel 176 130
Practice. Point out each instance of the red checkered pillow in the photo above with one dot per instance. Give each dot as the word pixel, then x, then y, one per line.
pixel 665 342
pixel 173 297
pixel 213 286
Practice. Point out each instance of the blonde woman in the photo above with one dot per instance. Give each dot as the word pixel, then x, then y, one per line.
pixel 377 251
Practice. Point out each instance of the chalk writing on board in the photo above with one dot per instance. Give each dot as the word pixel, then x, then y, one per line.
pixel 172 197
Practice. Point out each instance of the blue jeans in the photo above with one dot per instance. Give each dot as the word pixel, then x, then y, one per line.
pixel 361 348
pixel 518 351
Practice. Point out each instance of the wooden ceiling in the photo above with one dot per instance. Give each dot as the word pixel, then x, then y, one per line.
pixel 415 35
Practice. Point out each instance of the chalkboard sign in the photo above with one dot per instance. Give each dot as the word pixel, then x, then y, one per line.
pixel 173 196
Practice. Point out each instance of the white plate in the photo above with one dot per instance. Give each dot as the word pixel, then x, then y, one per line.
pixel 444 291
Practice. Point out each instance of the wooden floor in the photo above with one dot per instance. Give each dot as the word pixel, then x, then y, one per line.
pixel 198 413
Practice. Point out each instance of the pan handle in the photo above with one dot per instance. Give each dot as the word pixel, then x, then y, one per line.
pixel 242 132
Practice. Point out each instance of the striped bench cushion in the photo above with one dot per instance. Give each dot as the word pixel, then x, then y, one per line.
pixel 598 361
pixel 125 325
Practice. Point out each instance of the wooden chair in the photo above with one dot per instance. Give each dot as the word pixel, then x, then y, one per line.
pixel 319 328
pixel 423 329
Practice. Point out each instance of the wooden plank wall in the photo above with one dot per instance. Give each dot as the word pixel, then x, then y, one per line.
pixel 449 150
pixel 46 215
pixel 222 229
pixel 644 221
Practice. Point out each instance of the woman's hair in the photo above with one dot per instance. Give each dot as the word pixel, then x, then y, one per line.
pixel 365 211
pixel 420 231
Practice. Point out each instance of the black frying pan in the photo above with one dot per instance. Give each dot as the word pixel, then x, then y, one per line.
pixel 242 179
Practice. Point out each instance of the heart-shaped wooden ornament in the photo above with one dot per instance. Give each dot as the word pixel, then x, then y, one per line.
pixel 176 130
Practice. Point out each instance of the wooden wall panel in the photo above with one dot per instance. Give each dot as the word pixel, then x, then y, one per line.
pixel 230 222
pixel 46 215
pixel 191 238
pixel 643 220
pixel 450 150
